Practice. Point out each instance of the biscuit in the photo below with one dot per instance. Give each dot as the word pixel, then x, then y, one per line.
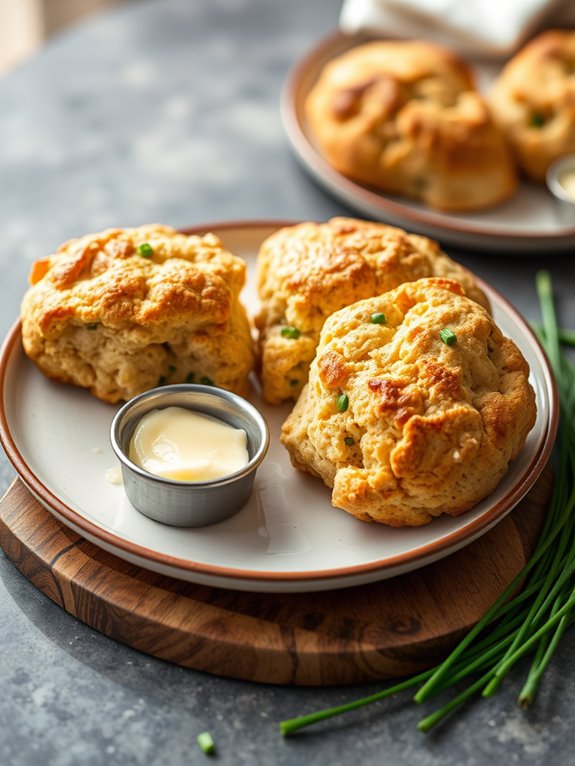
pixel 405 118
pixel 403 425
pixel 308 271
pixel 533 101
pixel 128 309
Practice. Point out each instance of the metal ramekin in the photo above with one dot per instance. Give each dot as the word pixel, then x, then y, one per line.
pixel 180 503
pixel 566 203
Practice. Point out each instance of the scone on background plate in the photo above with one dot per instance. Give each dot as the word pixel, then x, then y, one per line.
pixel 405 424
pixel 308 271
pixel 404 117
pixel 533 101
pixel 128 309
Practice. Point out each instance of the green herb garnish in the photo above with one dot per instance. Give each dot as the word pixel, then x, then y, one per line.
pixel 206 742
pixel 349 440
pixel 293 382
pixel 205 381
pixel 377 318
pixel 533 612
pixel 447 336
pixel 171 369
pixel 342 402
pixel 537 120
pixel 290 332
pixel 190 377
pixel 145 250
pixel 92 326
pixel 162 380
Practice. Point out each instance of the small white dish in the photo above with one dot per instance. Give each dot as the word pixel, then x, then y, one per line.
pixel 288 538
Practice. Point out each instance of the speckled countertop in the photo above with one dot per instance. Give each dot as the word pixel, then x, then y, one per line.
pixel 169 111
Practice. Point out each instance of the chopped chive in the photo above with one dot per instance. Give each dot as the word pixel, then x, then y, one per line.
pixel 294 382
pixel 145 250
pixel 190 377
pixel 162 380
pixel 290 332
pixel 349 440
pixel 171 369
pixel 447 336
pixel 206 742
pixel 377 318
pixel 92 326
pixel 205 381
pixel 532 613
pixel 537 120
pixel 342 402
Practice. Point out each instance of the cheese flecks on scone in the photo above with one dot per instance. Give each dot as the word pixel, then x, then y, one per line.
pixel 308 271
pixel 405 117
pixel 125 310
pixel 414 416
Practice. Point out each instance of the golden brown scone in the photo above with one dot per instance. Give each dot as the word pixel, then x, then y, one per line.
pixel 106 314
pixel 405 117
pixel 403 425
pixel 308 271
pixel 533 101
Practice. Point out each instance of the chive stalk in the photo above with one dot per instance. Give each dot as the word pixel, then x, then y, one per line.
pixel 520 622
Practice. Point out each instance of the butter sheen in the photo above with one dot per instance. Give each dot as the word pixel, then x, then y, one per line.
pixel 185 445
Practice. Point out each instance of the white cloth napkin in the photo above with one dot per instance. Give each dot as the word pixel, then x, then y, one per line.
pixel 480 28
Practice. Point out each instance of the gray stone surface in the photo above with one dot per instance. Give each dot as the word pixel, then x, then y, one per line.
pixel 169 111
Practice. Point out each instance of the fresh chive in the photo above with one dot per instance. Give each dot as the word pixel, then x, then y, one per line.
pixel 294 382
pixel 92 326
pixel 533 612
pixel 206 743
pixel 162 380
pixel 342 402
pixel 349 440
pixel 190 377
pixel 290 332
pixel 171 369
pixel 145 250
pixel 447 336
pixel 537 120
pixel 205 381
pixel 377 318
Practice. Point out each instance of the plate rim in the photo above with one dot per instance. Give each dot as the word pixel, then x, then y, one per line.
pixel 362 197
pixel 423 554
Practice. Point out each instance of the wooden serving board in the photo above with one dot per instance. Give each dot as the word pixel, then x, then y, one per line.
pixel 391 628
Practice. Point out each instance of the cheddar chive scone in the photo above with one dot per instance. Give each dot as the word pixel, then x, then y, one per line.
pixel 308 271
pixel 125 310
pixel 416 414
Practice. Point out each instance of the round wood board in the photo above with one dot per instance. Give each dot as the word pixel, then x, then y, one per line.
pixel 391 628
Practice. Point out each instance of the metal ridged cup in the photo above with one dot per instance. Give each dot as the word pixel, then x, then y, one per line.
pixel 187 503
pixel 565 201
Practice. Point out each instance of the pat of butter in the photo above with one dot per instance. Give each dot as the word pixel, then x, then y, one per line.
pixel 567 181
pixel 185 445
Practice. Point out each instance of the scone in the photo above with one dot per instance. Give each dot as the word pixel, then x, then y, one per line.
pixel 416 415
pixel 128 309
pixel 405 117
pixel 533 101
pixel 308 271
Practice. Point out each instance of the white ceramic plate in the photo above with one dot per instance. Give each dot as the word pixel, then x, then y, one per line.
pixel 531 222
pixel 288 538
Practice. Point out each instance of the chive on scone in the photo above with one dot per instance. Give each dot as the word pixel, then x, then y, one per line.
pixel 125 310
pixel 415 406
pixel 308 271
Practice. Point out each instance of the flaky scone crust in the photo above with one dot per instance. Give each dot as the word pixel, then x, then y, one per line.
pixel 533 101
pixel 308 271
pixel 430 428
pixel 404 117
pixel 102 316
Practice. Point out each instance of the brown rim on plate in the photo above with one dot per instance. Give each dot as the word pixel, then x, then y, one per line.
pixel 451 541
pixel 444 227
